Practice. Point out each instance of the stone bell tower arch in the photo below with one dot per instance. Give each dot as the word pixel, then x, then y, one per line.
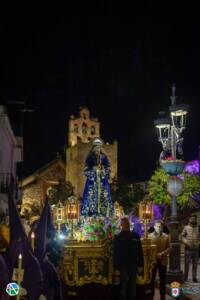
pixel 83 128
pixel 81 132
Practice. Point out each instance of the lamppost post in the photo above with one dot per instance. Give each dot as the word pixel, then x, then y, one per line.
pixel 170 135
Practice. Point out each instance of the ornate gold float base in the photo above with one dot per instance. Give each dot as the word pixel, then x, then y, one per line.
pixel 87 262
pixel 92 262
pixel 149 252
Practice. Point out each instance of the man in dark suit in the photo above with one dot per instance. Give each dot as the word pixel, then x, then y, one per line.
pixel 128 259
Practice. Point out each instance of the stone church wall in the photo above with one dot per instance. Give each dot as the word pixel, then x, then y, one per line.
pixel 33 193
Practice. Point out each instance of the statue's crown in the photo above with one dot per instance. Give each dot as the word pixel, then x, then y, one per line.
pixel 97 142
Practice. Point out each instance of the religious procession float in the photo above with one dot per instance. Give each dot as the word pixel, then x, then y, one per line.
pixel 92 223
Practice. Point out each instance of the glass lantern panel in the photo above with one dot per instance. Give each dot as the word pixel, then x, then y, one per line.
pixel 183 121
pixel 163 135
pixel 179 119
pixel 59 216
pixel 73 208
pixel 117 212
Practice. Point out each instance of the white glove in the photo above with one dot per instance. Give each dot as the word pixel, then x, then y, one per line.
pixel 22 291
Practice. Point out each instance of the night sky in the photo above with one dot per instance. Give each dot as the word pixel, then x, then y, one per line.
pixel 120 61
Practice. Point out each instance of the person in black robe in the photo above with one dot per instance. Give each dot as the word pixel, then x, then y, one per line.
pixel 52 283
pixel 19 244
pixel 128 259
pixel 4 278
pixel 53 244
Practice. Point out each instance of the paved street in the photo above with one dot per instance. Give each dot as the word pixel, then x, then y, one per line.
pixel 189 285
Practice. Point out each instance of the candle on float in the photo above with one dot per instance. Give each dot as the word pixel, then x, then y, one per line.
pixel 33 241
pixel 20 262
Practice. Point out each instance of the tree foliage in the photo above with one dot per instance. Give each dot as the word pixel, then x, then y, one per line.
pixel 157 188
pixel 60 192
pixel 126 194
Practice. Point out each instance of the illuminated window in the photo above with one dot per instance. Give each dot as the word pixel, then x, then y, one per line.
pixel 93 130
pixel 84 128
pixel 76 128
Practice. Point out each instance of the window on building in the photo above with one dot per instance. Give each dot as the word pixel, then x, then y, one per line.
pixel 75 128
pixel 84 128
pixel 93 130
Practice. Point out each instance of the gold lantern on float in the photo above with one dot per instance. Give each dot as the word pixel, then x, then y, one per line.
pixel 146 214
pixel 59 215
pixel 72 212
pixel 118 210
pixel 149 250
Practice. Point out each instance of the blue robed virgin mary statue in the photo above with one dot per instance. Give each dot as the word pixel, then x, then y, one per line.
pixel 97 199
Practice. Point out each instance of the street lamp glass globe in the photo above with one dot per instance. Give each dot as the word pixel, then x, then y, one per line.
pixel 178 114
pixel 163 130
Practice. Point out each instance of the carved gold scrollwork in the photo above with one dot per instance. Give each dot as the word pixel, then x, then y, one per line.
pixel 93 266
pixel 87 262
pixel 149 252
pixel 94 271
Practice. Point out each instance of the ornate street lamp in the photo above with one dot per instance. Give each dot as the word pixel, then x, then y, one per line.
pixel 170 129
pixel 178 113
pixel 163 130
pixel 171 159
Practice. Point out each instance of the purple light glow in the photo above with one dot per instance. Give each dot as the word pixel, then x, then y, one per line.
pixel 138 226
pixel 192 167
pixel 158 211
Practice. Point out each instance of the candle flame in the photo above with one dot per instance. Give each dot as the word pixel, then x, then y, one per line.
pixel 32 235
pixel 20 256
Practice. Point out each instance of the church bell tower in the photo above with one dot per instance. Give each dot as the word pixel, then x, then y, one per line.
pixel 83 128
pixel 82 131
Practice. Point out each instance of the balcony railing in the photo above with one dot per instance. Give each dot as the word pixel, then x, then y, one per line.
pixel 7 183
